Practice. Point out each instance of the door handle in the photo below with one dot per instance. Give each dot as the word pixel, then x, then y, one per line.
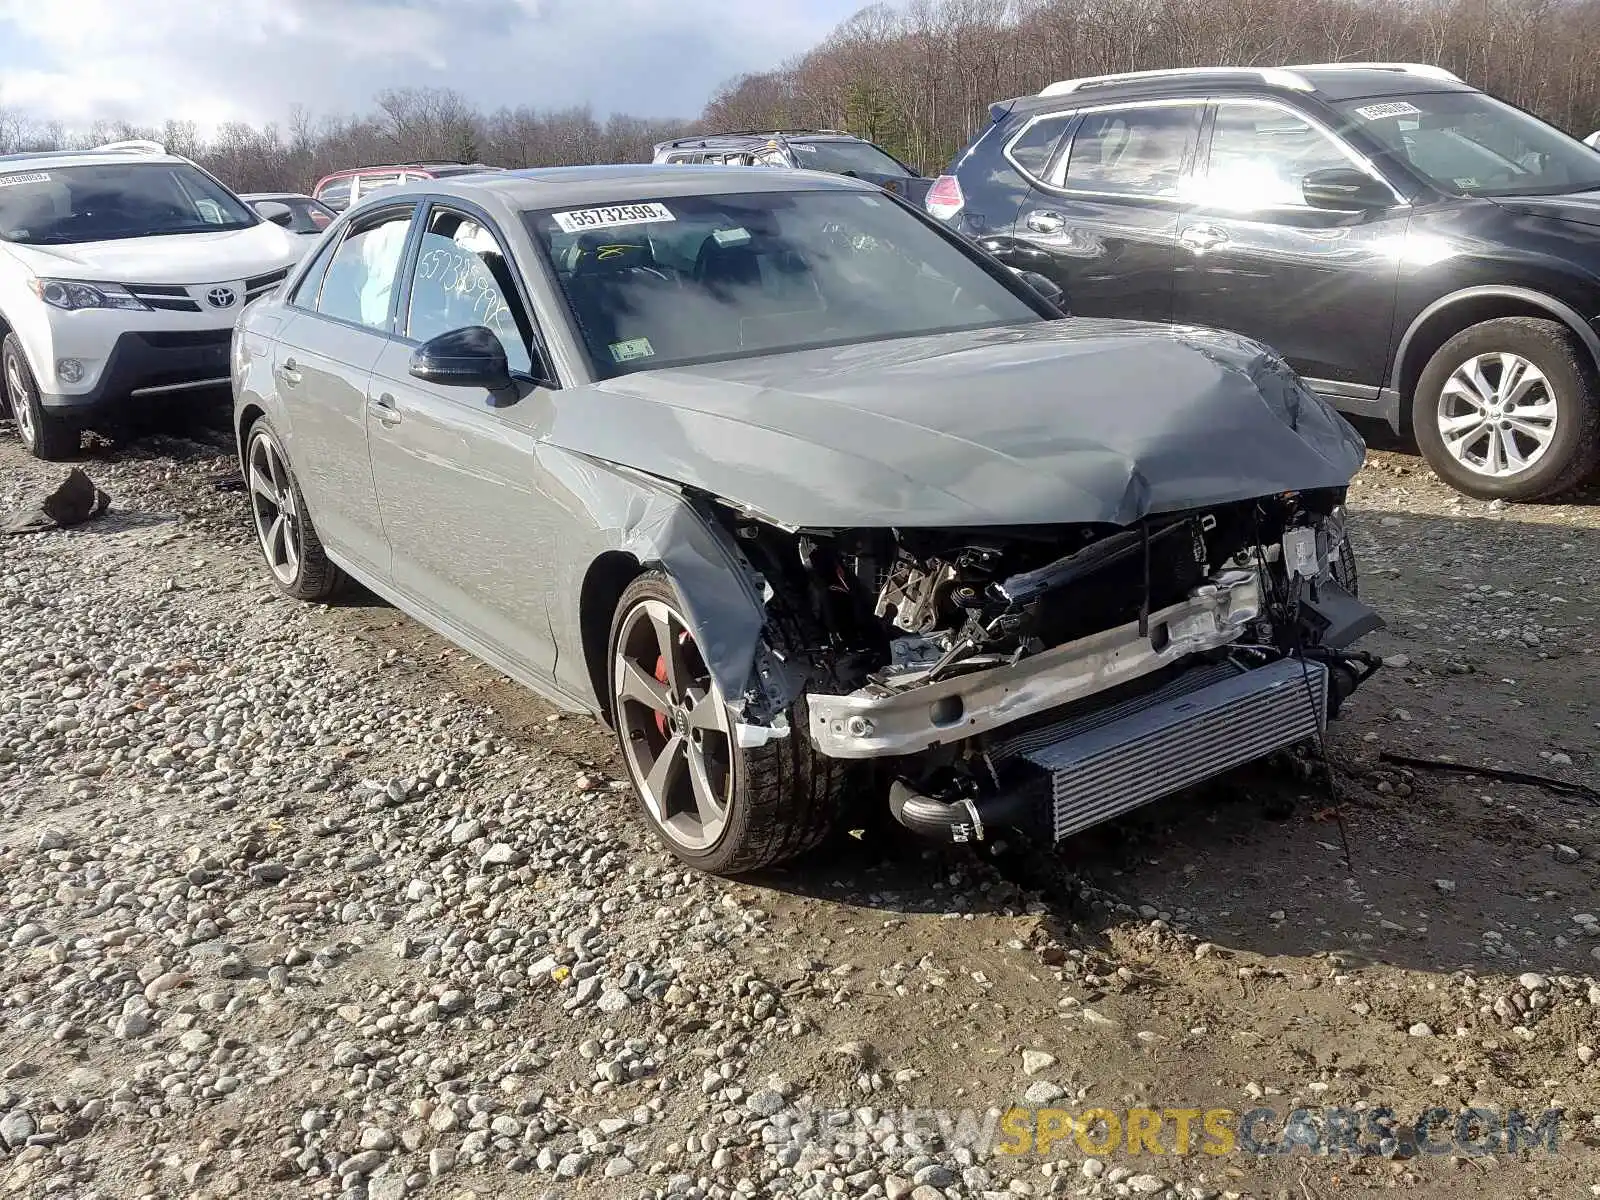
pixel 383 408
pixel 1045 221
pixel 1202 237
pixel 288 372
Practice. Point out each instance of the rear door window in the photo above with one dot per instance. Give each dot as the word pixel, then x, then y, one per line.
pixel 361 275
pixel 1135 152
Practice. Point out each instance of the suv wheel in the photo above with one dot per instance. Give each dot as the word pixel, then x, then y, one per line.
pixel 288 540
pixel 43 434
pixel 718 806
pixel 1507 410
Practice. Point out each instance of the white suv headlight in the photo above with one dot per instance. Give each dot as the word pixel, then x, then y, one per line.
pixel 70 294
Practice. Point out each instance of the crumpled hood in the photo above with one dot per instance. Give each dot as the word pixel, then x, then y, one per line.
pixel 184 258
pixel 1578 208
pixel 1060 422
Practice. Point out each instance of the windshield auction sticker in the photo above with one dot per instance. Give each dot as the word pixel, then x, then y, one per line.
pixel 30 177
pixel 1394 108
pixel 581 219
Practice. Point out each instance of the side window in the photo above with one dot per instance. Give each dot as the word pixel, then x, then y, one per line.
pixel 361 275
pixel 305 292
pixel 1035 146
pixel 1132 151
pixel 1260 154
pixel 336 195
pixel 462 278
pixel 376 183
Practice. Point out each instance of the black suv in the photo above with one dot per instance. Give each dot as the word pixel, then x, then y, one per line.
pixel 830 150
pixel 1417 250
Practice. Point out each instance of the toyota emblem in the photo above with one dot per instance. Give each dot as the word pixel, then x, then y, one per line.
pixel 220 297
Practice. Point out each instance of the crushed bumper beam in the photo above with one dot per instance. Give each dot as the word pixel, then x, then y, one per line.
pixel 875 721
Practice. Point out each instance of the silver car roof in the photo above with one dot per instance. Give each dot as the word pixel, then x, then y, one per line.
pixel 555 187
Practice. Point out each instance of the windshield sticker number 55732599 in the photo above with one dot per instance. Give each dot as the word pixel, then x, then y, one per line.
pixel 581 219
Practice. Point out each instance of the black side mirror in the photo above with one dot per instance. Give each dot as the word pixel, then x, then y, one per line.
pixel 278 214
pixel 471 357
pixel 1045 287
pixel 1345 189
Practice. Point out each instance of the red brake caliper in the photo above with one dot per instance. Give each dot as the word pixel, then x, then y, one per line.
pixel 661 677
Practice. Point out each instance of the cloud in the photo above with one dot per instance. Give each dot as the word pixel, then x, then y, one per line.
pixel 212 61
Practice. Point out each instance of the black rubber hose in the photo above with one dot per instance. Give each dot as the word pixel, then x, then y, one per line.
pixel 955 821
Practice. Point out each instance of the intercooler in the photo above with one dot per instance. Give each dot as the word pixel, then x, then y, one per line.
pixel 1103 762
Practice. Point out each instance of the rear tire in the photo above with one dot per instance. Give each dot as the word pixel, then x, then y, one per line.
pixel 1503 391
pixel 44 434
pixel 288 540
pixel 727 809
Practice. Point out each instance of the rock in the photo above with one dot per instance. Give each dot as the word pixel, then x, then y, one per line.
pixel 49 839
pixel 162 984
pixel 1146 1185
pixel 390 1185
pixel 611 1001
pixel 1043 1092
pixel 1567 854
pixel 1093 1168
pixel 765 1102
pixel 1445 885
pixel 363 1163
pixel 373 1138
pixel 861 1054
pixel 927 1192
pixel 1533 981
pixel 269 872
pixel 935 1175
pixel 619 1166
pixel 1035 1061
pixel 572 1165
pixel 897 1188
pixel 16 1127
pixel 1420 1030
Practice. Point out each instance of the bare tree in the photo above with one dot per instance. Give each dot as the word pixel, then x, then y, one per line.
pixel 919 78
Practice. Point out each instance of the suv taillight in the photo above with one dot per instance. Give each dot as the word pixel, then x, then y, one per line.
pixel 944 199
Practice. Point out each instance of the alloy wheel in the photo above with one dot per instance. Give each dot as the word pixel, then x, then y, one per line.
pixel 277 516
pixel 676 734
pixel 1497 414
pixel 21 406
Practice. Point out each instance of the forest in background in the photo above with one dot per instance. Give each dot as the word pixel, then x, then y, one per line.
pixel 918 78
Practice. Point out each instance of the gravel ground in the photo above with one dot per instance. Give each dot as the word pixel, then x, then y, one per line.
pixel 302 901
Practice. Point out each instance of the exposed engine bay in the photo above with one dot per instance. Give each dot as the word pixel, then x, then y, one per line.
pixel 942 644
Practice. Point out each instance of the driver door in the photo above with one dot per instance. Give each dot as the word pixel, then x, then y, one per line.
pixel 470 532
pixel 1317 286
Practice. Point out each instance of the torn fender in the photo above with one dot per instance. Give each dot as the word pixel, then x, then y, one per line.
pixel 663 527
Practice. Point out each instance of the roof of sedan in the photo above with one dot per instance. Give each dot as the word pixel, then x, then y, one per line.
pixel 548 187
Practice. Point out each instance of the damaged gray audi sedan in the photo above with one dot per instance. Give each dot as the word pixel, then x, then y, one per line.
pixel 813 502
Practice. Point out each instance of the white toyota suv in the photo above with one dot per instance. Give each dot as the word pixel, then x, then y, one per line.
pixel 122 271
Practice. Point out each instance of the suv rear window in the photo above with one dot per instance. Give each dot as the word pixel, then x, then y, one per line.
pixel 840 157
pixel 65 205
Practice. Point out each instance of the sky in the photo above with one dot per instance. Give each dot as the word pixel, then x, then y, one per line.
pixel 211 61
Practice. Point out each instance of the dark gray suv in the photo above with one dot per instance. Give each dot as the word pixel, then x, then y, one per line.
pixel 1417 250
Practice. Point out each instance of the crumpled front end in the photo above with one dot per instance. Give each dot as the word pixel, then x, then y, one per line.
pixel 1056 676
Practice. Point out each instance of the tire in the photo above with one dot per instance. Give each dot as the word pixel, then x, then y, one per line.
pixel 777 801
pixel 300 567
pixel 44 434
pixel 1465 380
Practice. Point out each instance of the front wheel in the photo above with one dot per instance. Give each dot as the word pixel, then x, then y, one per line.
pixel 719 806
pixel 44 434
pixel 1507 410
